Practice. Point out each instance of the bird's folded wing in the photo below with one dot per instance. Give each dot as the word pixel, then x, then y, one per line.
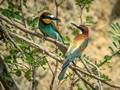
pixel 56 28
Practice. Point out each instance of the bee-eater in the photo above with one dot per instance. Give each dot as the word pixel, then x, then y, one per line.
pixel 75 49
pixel 47 26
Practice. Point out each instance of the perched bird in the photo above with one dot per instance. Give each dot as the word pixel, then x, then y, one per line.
pixel 47 26
pixel 75 49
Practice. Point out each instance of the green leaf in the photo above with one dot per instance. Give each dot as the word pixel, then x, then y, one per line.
pixel 7 77
pixel 83 3
pixel 89 20
pixel 115 30
pixel 23 46
pixel 66 39
pixel 17 15
pixel 36 83
pixel 44 61
pixel 28 75
pixel 11 11
pixel 108 58
pixel 18 73
pixel 115 44
pixel 1 10
pixel 33 22
pixel 10 6
pixel 105 77
pixel 79 88
pixel 114 33
pixel 112 50
pixel 29 58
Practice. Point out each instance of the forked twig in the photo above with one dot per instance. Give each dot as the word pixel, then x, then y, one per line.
pixel 54 56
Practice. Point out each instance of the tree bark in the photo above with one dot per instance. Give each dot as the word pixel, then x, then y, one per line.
pixel 5 77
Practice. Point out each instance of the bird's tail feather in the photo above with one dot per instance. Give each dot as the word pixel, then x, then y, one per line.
pixel 63 71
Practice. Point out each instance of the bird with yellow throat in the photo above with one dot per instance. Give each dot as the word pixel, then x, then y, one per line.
pixel 48 27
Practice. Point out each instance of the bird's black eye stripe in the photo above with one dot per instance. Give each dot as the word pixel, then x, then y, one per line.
pixel 82 29
pixel 46 17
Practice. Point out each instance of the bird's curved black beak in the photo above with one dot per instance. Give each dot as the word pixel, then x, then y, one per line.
pixel 79 27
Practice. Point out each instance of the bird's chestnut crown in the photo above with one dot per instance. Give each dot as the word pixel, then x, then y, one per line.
pixel 47 18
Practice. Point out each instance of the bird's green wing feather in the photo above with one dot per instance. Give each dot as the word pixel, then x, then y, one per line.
pixel 57 31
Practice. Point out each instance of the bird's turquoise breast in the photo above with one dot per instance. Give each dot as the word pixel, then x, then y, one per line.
pixel 50 30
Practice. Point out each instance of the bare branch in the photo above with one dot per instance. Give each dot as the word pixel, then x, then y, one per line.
pixel 33 77
pixel 54 75
pixel 2 2
pixel 6 33
pixel 95 77
pixel 85 81
pixel 51 54
pixel 61 46
pixel 60 59
pixel 9 84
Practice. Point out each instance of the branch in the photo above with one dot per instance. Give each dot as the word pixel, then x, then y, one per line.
pixel 104 61
pixel 2 2
pixel 23 19
pixel 58 4
pixel 61 46
pixel 60 60
pixel 56 66
pixel 54 75
pixel 95 77
pixel 33 77
pixel 5 77
pixel 48 52
pixel 85 81
pixel 6 35
pixel 97 69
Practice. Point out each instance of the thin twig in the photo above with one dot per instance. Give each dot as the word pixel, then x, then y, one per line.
pixel 96 77
pixel 103 62
pixel 58 4
pixel 33 77
pixel 61 46
pixel 23 19
pixel 86 66
pixel 81 12
pixel 81 15
pixel 8 84
pixel 2 2
pixel 85 81
pixel 84 63
pixel 54 56
pixel 98 72
pixel 33 65
pixel 10 38
pixel 56 66
pixel 50 68
pixel 61 61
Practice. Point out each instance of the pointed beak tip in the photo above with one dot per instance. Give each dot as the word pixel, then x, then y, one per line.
pixel 57 19
pixel 75 25
pixel 80 27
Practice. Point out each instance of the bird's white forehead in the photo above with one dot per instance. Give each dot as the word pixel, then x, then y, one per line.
pixel 52 16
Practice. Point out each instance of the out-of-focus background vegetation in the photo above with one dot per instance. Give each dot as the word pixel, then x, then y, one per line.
pixel 100 15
